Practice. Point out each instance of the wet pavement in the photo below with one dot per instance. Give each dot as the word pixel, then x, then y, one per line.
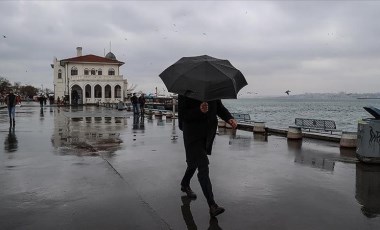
pixel 98 168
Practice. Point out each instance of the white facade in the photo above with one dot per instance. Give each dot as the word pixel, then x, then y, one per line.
pixel 90 79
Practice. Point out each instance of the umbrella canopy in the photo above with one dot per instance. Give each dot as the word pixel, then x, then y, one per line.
pixel 203 78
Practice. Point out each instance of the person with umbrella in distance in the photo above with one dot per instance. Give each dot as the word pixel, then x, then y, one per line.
pixel 201 82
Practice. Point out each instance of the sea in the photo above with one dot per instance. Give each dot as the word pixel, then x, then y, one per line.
pixel 281 112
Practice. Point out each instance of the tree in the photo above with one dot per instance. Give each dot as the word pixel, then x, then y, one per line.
pixel 16 87
pixel 48 91
pixel 28 91
pixel 5 85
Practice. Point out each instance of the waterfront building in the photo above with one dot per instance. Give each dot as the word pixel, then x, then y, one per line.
pixel 89 79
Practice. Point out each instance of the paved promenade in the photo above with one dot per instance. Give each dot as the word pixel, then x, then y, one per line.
pixel 98 168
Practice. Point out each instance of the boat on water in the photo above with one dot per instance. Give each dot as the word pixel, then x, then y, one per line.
pixel 161 100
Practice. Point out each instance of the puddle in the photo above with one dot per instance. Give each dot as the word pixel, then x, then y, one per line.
pixel 88 135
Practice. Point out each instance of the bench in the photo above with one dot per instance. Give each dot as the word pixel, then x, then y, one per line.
pixel 316 124
pixel 242 118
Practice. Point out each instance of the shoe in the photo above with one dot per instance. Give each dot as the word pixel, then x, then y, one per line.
pixel 189 192
pixel 216 210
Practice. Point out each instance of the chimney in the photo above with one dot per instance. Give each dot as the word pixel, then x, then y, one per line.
pixel 79 51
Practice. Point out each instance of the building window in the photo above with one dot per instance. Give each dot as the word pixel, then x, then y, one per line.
pixel 93 72
pixel 88 91
pixel 98 91
pixel 107 91
pixel 100 72
pixel 111 72
pixel 117 91
pixel 59 74
pixel 74 71
pixel 85 71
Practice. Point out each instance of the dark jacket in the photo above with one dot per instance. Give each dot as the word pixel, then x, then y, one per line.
pixel 195 124
pixel 134 99
pixel 142 100
pixel 10 100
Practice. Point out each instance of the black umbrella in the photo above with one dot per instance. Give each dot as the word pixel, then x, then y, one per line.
pixel 203 78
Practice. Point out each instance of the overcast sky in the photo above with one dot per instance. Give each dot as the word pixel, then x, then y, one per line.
pixel 303 46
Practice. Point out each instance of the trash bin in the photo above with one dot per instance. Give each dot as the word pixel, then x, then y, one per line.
pixel 368 146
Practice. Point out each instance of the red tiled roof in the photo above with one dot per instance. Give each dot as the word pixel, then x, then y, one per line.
pixel 92 58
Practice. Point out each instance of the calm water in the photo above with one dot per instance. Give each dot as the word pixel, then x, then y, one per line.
pixel 280 113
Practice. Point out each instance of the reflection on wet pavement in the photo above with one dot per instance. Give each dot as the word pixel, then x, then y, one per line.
pixel 189 219
pixel 138 122
pixel 87 135
pixel 260 137
pixel 160 122
pixel 368 189
pixel 310 158
pixel 10 143
pixel 240 142
pixel 315 161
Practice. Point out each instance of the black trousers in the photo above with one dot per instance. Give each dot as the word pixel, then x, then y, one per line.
pixel 196 158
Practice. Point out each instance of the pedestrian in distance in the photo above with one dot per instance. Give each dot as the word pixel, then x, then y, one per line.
pixel 18 100
pixel 59 102
pixel 142 104
pixel 198 122
pixel 135 104
pixel 41 99
pixel 10 100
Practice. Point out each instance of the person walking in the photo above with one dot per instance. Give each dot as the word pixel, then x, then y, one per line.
pixel 18 100
pixel 142 103
pixel 135 103
pixel 10 100
pixel 41 99
pixel 198 122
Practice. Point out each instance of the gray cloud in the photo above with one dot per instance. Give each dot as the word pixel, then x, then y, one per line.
pixel 305 46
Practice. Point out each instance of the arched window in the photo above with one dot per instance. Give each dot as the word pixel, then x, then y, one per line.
pixel 111 72
pixel 107 93
pixel 86 71
pixel 74 71
pixel 59 74
pixel 88 91
pixel 117 91
pixel 92 71
pixel 98 91
pixel 100 72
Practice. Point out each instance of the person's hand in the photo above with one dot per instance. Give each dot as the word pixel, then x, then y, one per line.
pixel 204 107
pixel 233 123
